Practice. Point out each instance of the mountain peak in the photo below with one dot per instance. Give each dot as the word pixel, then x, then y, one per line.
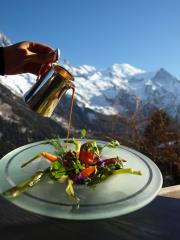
pixel 163 75
pixel 125 70
pixel 163 71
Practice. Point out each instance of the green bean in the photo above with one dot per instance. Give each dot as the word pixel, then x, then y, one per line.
pixel 23 186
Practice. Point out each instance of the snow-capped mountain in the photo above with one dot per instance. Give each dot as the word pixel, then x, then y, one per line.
pixel 120 88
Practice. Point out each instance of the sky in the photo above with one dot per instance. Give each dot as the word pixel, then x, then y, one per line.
pixel 143 33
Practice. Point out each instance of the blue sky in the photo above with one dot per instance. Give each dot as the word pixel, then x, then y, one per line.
pixel 143 33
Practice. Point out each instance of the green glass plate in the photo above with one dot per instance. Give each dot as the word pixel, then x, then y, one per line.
pixel 118 195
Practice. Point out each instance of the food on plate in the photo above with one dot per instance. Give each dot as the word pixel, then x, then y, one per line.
pixel 83 163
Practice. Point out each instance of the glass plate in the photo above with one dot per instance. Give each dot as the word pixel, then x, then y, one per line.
pixel 118 195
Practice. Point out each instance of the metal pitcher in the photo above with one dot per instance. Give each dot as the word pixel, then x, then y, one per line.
pixel 46 93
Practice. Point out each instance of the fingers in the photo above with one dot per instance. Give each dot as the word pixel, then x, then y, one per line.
pixel 40 58
pixel 32 68
pixel 44 68
pixel 27 57
pixel 39 55
pixel 36 68
pixel 39 48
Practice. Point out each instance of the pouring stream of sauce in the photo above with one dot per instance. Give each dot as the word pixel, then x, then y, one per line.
pixel 70 115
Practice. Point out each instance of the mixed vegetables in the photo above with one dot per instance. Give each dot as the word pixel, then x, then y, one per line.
pixel 82 165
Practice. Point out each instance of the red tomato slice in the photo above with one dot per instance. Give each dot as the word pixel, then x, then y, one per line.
pixel 86 157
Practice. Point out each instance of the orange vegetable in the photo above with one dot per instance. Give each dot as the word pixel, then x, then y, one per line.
pixel 88 171
pixel 50 156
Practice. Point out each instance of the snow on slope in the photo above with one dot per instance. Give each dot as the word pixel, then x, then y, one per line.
pixel 100 89
pixel 97 89
pixel 4 41
pixel 19 84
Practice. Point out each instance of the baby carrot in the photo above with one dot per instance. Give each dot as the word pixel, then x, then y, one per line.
pixel 46 155
pixel 88 171
pixel 51 157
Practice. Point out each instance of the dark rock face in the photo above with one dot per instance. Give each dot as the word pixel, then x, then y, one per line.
pixel 19 125
pixel 95 123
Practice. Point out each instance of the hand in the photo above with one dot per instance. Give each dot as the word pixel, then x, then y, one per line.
pixel 26 57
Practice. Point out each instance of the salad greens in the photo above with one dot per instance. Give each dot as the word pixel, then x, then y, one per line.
pixel 82 165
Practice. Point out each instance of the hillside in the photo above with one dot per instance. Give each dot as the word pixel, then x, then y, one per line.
pixel 19 125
